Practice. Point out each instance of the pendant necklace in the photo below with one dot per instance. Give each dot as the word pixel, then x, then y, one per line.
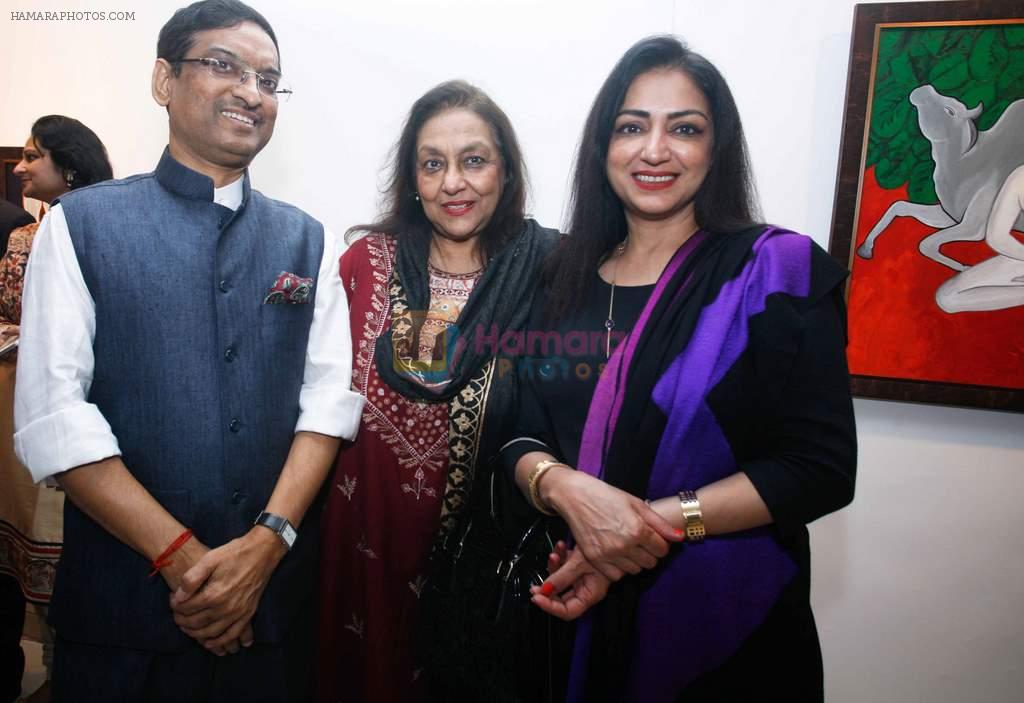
pixel 609 324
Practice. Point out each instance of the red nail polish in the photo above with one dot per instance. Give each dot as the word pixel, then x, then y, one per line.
pixel 679 533
pixel 547 589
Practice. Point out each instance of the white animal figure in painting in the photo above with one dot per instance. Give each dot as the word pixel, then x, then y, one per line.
pixel 998 282
pixel 970 168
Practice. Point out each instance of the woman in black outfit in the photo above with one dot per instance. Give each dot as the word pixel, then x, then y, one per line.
pixel 688 409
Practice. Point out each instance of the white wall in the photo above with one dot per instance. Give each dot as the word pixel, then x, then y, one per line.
pixel 919 585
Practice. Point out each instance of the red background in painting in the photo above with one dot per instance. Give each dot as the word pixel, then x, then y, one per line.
pixel 896 328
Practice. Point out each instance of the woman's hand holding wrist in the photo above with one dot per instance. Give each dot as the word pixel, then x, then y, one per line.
pixel 617 532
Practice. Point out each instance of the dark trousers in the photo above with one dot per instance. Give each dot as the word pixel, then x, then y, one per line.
pixel 12 620
pixel 262 673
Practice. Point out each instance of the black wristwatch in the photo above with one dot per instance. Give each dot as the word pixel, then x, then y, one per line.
pixel 280 526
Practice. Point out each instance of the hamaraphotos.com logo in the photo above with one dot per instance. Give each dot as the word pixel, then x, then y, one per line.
pixel 72 16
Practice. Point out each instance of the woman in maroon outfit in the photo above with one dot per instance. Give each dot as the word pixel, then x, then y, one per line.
pixel 432 286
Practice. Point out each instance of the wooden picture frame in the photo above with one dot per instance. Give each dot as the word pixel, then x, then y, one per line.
pixel 932 297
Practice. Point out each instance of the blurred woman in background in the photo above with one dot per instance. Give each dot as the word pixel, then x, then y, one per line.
pixel 60 155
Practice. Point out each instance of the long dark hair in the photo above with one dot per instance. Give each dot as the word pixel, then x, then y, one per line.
pixel 402 215
pixel 726 201
pixel 74 149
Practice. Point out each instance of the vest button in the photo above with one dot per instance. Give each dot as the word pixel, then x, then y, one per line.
pixel 229 354
pixel 237 497
pixel 235 425
pixel 223 285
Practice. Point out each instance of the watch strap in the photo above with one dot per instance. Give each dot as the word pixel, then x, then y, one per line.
pixel 280 526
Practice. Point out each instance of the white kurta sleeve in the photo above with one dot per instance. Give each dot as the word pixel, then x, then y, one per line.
pixel 55 429
pixel 327 403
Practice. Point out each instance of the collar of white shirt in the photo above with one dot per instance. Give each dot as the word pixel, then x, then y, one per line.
pixel 230 196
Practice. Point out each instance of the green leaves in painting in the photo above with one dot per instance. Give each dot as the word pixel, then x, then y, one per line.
pixel 988 56
pixel 921 187
pixel 974 64
pixel 948 73
pixel 890 113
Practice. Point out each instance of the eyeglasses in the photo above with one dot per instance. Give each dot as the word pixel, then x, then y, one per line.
pixel 230 71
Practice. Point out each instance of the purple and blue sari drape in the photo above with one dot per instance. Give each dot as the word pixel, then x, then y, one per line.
pixel 705 599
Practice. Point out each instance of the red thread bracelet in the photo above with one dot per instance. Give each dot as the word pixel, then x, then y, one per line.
pixel 164 559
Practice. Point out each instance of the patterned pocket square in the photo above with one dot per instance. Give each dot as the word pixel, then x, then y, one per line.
pixel 289 288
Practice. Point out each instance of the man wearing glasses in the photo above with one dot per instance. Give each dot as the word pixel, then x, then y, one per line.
pixel 185 375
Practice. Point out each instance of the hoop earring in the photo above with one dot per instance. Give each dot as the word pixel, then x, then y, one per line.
pixel 69 178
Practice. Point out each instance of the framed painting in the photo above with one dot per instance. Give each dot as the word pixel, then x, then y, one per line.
pixel 929 204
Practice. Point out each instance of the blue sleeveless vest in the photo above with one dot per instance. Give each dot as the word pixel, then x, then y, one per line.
pixel 199 380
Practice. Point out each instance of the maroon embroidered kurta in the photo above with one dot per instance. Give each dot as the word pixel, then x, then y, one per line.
pixel 385 497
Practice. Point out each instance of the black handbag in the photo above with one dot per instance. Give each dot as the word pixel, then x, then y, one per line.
pixel 479 636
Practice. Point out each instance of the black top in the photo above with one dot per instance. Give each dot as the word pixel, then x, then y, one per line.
pixel 559 373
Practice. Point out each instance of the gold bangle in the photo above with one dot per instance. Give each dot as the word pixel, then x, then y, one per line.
pixel 534 484
pixel 693 517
